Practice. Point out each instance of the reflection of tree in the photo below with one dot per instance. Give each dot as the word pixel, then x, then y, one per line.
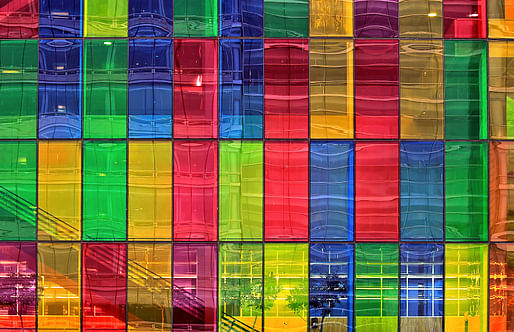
pixel 252 299
pixel 326 295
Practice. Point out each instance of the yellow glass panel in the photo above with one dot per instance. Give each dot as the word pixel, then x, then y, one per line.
pixel 501 89
pixel 501 18
pixel 421 89
pixel 150 195
pixel 421 18
pixel 105 18
pixel 149 287
pixel 331 18
pixel 58 286
pixel 331 88
pixel 59 186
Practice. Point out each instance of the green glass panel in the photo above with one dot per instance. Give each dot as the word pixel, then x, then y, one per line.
pixel 465 295
pixel 466 189
pixel 465 89
pixel 18 162
pixel 105 18
pixel 195 18
pixel 376 287
pixel 509 114
pixel 286 286
pixel 104 190
pixel 105 93
pixel 18 88
pixel 240 285
pixel 286 18
pixel 241 187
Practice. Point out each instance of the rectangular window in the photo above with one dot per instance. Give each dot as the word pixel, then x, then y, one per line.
pixel 19 19
pixel 501 18
pixel 376 18
pixel 195 18
pixel 150 18
pixel 501 277
pixel 331 18
pixel 286 18
pixel 241 18
pixel 60 18
pixel 105 18
pixel 421 18
pixel 501 190
pixel 465 19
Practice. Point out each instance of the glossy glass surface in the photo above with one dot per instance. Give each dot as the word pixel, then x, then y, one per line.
pixel 195 18
pixel 105 18
pixel 286 18
pixel 332 18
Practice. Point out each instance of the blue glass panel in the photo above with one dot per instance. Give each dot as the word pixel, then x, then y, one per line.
pixel 422 199
pixel 331 285
pixel 331 191
pixel 150 18
pixel 241 18
pixel 242 88
pixel 59 88
pixel 421 280
pixel 150 88
pixel 60 18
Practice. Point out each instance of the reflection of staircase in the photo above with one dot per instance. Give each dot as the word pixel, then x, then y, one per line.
pixel 229 323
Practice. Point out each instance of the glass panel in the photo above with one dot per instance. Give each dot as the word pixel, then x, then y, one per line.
pixel 286 286
pixel 105 18
pixel 501 194
pixel 331 88
pixel 241 18
pixel 465 19
pixel 501 278
pixel 149 186
pixel 501 18
pixel 150 18
pixel 286 18
pixel 331 18
pixel 376 18
pixel 60 18
pixel 421 18
pixel 465 287
pixel 240 191
pixel 195 18
pixel 19 19
pixel 59 190
pixel 466 191
pixel 104 190
pixel 421 89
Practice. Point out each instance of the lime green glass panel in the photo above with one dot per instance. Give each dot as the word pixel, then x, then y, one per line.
pixel 195 18
pixel 105 18
pixel 240 285
pixel 241 187
pixel 465 295
pixel 465 93
pixel 286 18
pixel 286 286
pixel 18 88
pixel 18 162
pixel 376 287
pixel 509 114
pixel 105 93
pixel 104 190
pixel 466 189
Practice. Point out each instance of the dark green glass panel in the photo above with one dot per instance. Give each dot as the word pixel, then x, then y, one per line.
pixel 195 18
pixel 465 89
pixel 376 287
pixel 286 18
pixel 18 162
pixel 18 88
pixel 466 191
pixel 105 93
pixel 104 190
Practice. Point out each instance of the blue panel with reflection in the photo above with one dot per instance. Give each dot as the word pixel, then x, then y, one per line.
pixel 60 18
pixel 150 18
pixel 241 18
pixel 59 96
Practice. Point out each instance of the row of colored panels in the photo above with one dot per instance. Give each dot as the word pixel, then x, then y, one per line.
pixel 197 287
pixel 201 88
pixel 254 18
pixel 370 191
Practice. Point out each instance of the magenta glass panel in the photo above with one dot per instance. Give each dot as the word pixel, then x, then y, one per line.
pixel 195 171
pixel 104 286
pixel 19 19
pixel 195 92
pixel 286 191
pixel 376 89
pixel 465 18
pixel 286 88
pixel 194 287
pixel 376 18
pixel 17 286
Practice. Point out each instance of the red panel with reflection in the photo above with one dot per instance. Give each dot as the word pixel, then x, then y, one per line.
pixel 376 191
pixel 19 19
pixel 376 89
pixel 287 191
pixel 286 88
pixel 195 92
pixel 104 286
pixel 195 171
pixel 465 19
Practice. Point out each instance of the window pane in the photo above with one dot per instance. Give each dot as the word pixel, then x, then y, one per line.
pixel 421 18
pixel 152 18
pixel 60 18
pixel 465 18
pixel 501 198
pixel 195 18
pixel 501 277
pixel 105 18
pixel 376 18
pixel 19 19
pixel 331 18
pixel 286 18
pixel 241 18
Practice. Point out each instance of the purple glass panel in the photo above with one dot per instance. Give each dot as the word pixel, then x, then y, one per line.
pixel 376 18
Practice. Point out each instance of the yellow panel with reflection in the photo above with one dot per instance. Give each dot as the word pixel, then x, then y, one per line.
pixel 59 186
pixel 421 89
pixel 421 18
pixel 149 187
pixel 500 18
pixel 331 88
pixel 331 18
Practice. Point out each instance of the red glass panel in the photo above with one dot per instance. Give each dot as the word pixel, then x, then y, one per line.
pixel 465 19
pixel 195 171
pixel 194 287
pixel 376 191
pixel 286 88
pixel 376 89
pixel 287 191
pixel 104 291
pixel 195 93
pixel 19 19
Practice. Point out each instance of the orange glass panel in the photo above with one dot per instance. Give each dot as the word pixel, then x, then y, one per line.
pixel 331 18
pixel 501 191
